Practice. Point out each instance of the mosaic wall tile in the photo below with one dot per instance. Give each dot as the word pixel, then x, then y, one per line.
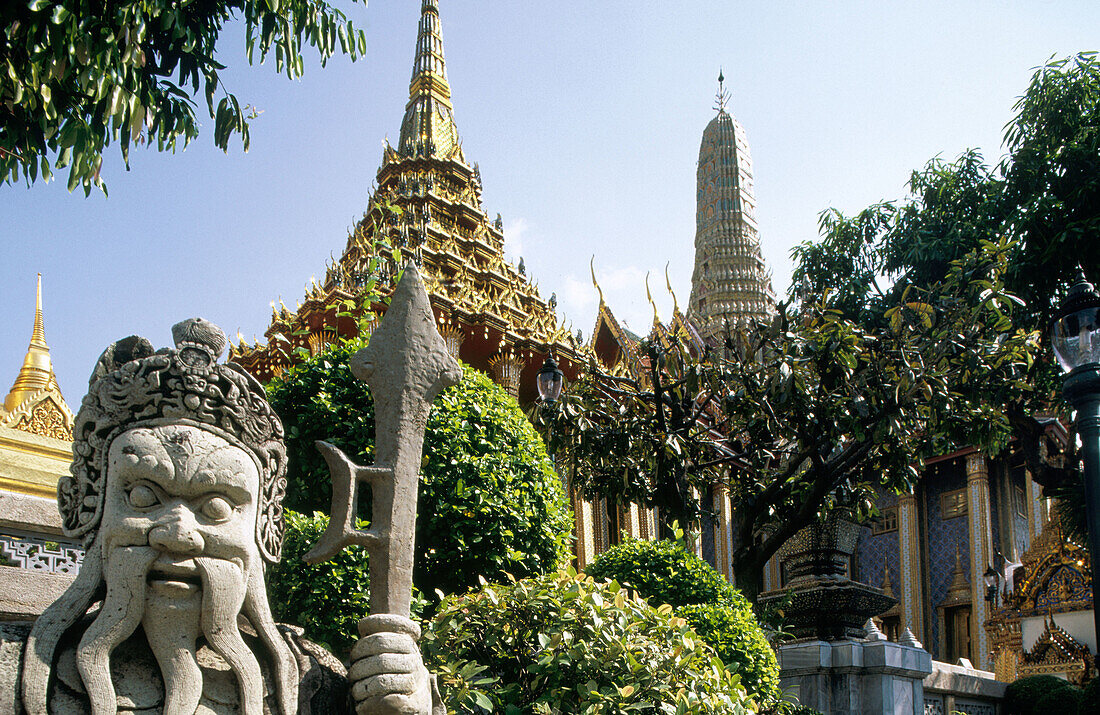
pixel 873 550
pixel 943 537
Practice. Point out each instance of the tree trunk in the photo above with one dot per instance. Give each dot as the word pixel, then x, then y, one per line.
pixel 748 577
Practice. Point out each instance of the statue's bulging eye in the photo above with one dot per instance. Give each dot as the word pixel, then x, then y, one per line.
pixel 142 497
pixel 217 509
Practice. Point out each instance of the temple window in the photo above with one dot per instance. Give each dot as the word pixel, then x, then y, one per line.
pixel 886 522
pixel 953 503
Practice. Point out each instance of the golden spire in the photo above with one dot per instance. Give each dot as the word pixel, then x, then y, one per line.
pixel 428 128
pixel 37 370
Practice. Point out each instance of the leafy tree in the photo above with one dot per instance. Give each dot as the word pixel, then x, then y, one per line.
pixel 665 572
pixel 490 502
pixel 805 414
pixel 562 643
pixel 77 75
pixel 1043 196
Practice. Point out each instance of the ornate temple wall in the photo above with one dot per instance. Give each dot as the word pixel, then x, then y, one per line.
pixel 879 546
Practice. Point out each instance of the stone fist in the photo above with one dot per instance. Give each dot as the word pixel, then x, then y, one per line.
pixel 387 674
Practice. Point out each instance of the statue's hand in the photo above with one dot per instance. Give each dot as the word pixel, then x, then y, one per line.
pixel 387 674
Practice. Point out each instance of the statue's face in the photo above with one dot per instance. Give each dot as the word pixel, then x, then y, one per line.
pixel 185 493
pixel 180 559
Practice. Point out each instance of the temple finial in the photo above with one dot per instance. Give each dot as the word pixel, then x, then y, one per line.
pixel 428 128
pixel 723 96
pixel 652 303
pixel 595 283
pixel 37 371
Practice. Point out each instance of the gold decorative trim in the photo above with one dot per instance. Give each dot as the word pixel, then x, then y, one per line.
pixel 28 488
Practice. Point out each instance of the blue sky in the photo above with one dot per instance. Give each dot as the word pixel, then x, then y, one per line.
pixel 585 118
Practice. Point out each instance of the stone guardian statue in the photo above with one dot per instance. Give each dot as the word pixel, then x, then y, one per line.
pixel 176 491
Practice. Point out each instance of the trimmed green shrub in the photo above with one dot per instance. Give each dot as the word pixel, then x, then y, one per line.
pixel 1090 698
pixel 562 644
pixel 1060 701
pixel 328 599
pixel 490 502
pixel 664 572
pixel 1023 695
pixel 730 628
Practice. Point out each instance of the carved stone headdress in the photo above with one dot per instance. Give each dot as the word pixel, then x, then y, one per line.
pixel 135 386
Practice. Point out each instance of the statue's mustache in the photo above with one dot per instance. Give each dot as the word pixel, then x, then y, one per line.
pixel 139 571
pixel 119 616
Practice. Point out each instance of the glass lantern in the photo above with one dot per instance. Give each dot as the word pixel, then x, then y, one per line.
pixel 1075 331
pixel 551 380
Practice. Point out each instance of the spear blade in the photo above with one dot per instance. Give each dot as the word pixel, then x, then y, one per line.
pixel 406 364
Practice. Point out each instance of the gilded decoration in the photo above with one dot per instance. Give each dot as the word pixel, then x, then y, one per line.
pixel 47 420
pixel 35 403
pixel 1057 652
pixel 1053 579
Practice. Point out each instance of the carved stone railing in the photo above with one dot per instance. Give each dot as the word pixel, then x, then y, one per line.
pixel 44 554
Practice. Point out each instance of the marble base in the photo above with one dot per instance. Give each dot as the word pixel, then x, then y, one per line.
pixel 855 677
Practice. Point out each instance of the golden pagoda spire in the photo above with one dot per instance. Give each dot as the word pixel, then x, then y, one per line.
pixel 428 128
pixel 37 371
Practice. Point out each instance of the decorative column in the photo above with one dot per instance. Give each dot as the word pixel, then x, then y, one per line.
pixel 699 541
pixel 981 546
pixel 586 531
pixel 507 367
pixel 1033 504
pixel 723 536
pixel 912 594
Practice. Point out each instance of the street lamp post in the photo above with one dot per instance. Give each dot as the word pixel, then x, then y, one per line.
pixel 1075 334
pixel 551 380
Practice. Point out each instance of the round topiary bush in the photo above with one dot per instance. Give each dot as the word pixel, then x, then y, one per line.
pixel 1061 701
pixel 1022 696
pixel 490 503
pixel 730 628
pixel 1090 698
pixel 665 572
pixel 564 644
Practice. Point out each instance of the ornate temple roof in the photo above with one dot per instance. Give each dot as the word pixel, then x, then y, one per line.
pixel 35 404
pixel 1053 577
pixel 730 282
pixel 1056 646
pixel 428 206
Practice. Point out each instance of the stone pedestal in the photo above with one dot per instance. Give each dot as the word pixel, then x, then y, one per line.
pixel 855 677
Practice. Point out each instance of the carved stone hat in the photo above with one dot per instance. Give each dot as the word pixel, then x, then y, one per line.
pixel 134 386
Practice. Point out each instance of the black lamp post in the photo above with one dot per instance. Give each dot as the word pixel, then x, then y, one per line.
pixel 1075 334
pixel 551 380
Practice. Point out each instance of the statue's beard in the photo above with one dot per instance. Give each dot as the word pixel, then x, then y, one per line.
pixel 173 626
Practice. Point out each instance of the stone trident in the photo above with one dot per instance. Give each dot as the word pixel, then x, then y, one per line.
pixel 406 364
